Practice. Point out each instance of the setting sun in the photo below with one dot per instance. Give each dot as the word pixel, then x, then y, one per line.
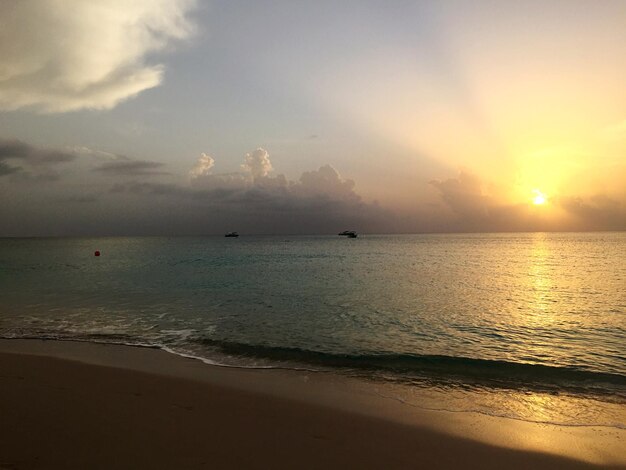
pixel 539 198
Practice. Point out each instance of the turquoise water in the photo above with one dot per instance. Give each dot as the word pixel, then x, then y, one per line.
pixel 530 313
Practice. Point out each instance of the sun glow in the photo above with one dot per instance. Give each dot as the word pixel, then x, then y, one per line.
pixel 539 198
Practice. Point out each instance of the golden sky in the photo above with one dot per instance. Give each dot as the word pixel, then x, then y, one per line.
pixel 407 116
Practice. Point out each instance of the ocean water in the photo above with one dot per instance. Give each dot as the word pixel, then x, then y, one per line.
pixel 529 326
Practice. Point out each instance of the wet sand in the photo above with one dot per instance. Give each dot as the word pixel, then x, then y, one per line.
pixel 77 405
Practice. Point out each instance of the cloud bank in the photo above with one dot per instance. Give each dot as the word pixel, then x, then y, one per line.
pixel 28 161
pixel 599 212
pixel 99 193
pixel 104 56
pixel 123 166
pixel 464 195
pixel 473 208
pixel 258 201
pixel 107 194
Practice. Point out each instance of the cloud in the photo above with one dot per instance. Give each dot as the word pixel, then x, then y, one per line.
pixel 598 212
pixel 474 208
pixel 328 182
pixel 81 199
pixel 202 167
pixel 6 169
pixel 201 175
pixel 464 195
pixel 257 163
pixel 97 154
pixel 158 189
pixel 34 161
pixel 123 166
pixel 320 201
pixel 58 57
pixel 325 182
pixel 233 181
pixel 13 148
pixel 253 200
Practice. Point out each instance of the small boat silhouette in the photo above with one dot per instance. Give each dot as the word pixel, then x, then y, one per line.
pixel 348 233
pixel 232 235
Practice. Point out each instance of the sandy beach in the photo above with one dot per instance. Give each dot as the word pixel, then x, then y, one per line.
pixel 79 405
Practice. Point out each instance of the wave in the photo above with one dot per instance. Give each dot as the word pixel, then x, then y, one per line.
pixel 427 370
pixel 438 368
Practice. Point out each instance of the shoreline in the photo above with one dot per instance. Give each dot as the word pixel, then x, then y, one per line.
pixel 143 407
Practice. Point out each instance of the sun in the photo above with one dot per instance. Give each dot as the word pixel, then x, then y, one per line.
pixel 539 198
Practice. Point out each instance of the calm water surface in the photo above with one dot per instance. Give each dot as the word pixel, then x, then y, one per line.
pixel 507 318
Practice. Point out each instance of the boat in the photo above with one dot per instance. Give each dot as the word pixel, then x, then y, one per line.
pixel 232 235
pixel 348 233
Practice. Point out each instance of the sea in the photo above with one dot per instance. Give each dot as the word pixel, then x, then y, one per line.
pixel 527 326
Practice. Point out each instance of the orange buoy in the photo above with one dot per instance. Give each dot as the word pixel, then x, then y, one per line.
pixel 97 253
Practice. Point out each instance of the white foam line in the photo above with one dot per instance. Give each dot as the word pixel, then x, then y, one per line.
pixel 232 366
pixel 165 349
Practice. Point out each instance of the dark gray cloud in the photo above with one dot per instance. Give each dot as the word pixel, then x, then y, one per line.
pixel 156 189
pixel 125 166
pixel 6 169
pixel 81 199
pixel 30 162
pixel 16 149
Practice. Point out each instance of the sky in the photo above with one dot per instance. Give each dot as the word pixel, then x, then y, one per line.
pixel 182 117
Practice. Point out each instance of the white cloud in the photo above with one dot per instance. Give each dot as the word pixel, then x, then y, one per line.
pixel 97 154
pixel 202 167
pixel 257 163
pixel 256 168
pixel 58 56
pixel 201 176
pixel 326 182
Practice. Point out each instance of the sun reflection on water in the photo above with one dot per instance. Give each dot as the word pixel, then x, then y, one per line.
pixel 541 315
pixel 540 279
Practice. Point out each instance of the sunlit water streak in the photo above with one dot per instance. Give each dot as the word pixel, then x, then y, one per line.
pixel 530 326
